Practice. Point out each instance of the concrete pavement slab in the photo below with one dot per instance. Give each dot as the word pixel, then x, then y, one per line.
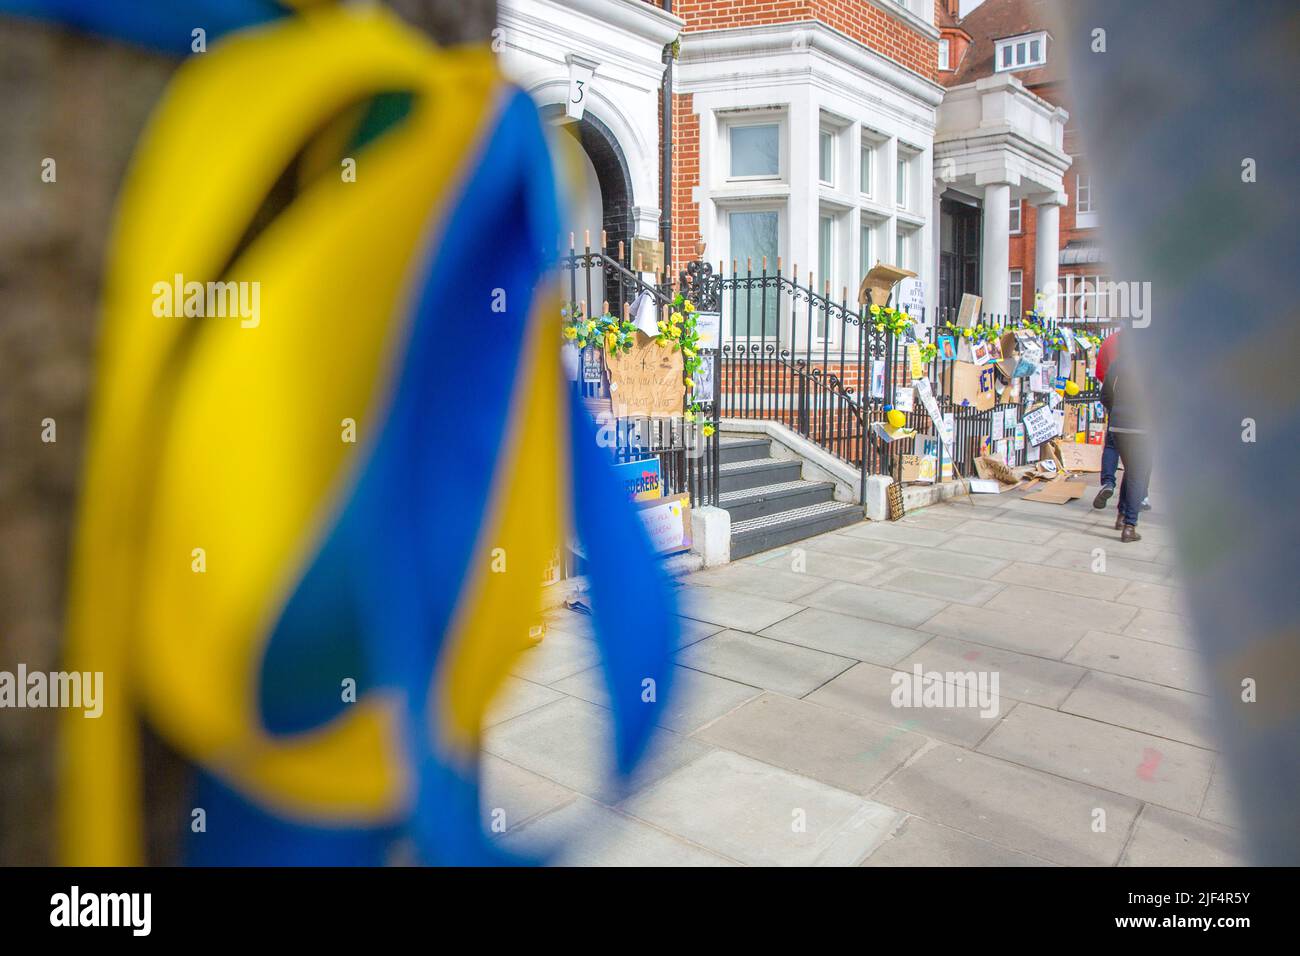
pixel 570 742
pixel 1165 838
pixel 768 582
pixel 1027 810
pixel 1035 680
pixel 1015 632
pixel 832 746
pixel 764 662
pixel 1105 537
pixel 558 655
pixel 847 636
pixel 694 699
pixel 866 549
pixel 1221 804
pixel 1140 660
pixel 1079 583
pixel 943 587
pixel 1156 597
pixel 1116 565
pixel 744 612
pixel 946 562
pixel 587 834
pixel 1005 531
pixel 875 604
pixel 919 842
pixel 896 533
pixel 1060 610
pixel 510 796
pixel 1137 705
pixel 994 548
pixel 517 696
pixel 1161 627
pixel 802 559
pixel 759 814
pixel 1152 769
pixel 867 690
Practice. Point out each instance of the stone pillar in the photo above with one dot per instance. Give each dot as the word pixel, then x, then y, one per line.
pixel 1047 255
pixel 995 254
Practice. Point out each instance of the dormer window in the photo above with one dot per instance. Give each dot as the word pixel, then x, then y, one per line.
pixel 1018 53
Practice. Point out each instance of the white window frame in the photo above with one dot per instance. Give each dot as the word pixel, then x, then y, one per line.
pixel 748 123
pixel 1016 219
pixel 1020 56
pixel 1085 210
pixel 867 151
pixel 1016 292
pixel 903 246
pixel 725 211
pixel 945 55
pixel 902 180
pixel 826 139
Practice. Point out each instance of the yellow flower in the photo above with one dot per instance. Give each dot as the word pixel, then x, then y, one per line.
pixel 875 310
pixel 677 317
pixel 688 383
pixel 610 339
pixel 689 353
pixel 591 326
pixel 688 305
pixel 570 332
pixel 689 416
pixel 708 430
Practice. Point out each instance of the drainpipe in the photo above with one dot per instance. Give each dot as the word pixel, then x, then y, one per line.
pixel 666 200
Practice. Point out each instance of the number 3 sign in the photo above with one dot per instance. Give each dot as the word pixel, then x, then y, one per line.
pixel 581 71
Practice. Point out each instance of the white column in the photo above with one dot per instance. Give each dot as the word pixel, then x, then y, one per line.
pixel 1047 241
pixel 996 255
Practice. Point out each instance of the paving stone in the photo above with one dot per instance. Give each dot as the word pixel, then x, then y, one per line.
pixel 1076 583
pixel 1005 531
pixel 993 548
pixel 773 582
pixel 1221 804
pixel 1140 660
pixel 1117 566
pixel 817 564
pixel 515 697
pixel 896 532
pixel 763 662
pixel 1060 610
pixel 1156 597
pixel 847 636
pixel 694 699
pixel 558 655
pixel 587 834
pixel 837 748
pixel 1149 708
pixel 867 549
pixel 512 796
pixel 944 587
pixel 876 604
pixel 936 518
pixel 1035 680
pixel 1165 838
pixel 946 562
pixel 692 631
pixel 919 842
pixel 1015 632
pixel 748 810
pixel 570 742
pixel 1012 806
pixel 1105 537
pixel 1161 627
pixel 744 612
pixel 1152 769
pixel 867 690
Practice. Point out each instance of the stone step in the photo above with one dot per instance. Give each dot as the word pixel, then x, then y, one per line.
pixel 770 499
pixel 771 531
pixel 731 450
pixel 738 475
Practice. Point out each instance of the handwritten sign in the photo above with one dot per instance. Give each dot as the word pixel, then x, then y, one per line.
pixel 1041 424
pixel 668 522
pixel 646 380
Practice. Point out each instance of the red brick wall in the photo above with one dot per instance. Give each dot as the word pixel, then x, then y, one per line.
pixel 858 19
pixel 686 176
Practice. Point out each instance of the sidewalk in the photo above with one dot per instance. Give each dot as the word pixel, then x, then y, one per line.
pixel 781 744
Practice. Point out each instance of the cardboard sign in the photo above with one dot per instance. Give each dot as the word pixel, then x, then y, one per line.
pixel 914 362
pixel 1078 457
pixel 877 284
pixel 973 385
pixel 646 380
pixel 911 297
pixel 668 522
pixel 592 367
pixel 903 398
pixel 1041 424
pixel 969 310
pixel 640 479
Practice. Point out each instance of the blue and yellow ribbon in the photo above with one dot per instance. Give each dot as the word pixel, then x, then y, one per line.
pixel 324 561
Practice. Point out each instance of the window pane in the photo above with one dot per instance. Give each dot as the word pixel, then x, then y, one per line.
pixel 1006 55
pixel 755 150
pixel 753 236
pixel 825 155
pixel 900 183
pixel 943 54
pixel 1033 51
pixel 865 173
pixel 900 251
pixel 825 267
pixel 865 262
pixel 1014 225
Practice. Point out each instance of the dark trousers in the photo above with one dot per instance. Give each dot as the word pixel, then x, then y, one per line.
pixel 1135 452
pixel 1109 459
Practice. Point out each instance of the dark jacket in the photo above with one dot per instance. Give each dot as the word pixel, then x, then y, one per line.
pixel 1121 393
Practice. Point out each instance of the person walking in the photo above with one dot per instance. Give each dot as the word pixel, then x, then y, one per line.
pixel 1121 394
pixel 1109 453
